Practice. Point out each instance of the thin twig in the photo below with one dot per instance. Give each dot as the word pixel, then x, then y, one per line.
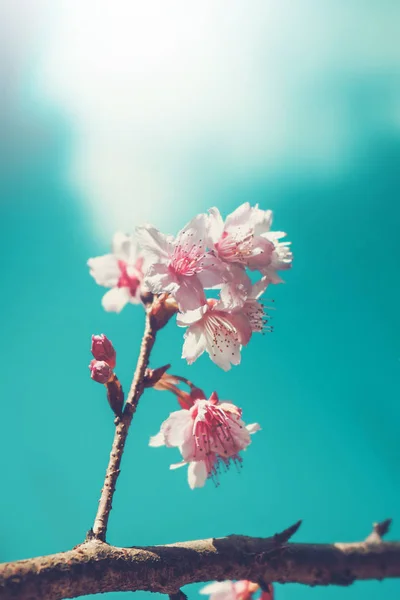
pixel 121 431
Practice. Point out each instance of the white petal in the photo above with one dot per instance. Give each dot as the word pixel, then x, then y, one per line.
pixel 194 344
pixel 160 279
pixel 194 233
pixel 104 270
pixel 115 299
pixel 189 293
pixel 124 247
pixel 197 474
pixel 177 465
pixel 253 428
pixel 215 272
pixel 218 587
pixel 215 226
pixel 183 319
pixel 177 428
pixel 259 288
pixel 155 242
pixel 157 440
pixel 241 216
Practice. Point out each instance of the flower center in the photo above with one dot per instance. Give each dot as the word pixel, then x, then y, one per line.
pixel 129 279
pixel 235 247
pixel 186 260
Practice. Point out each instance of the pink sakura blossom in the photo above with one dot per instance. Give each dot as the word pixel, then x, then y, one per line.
pixel 209 434
pixel 122 271
pixel 245 239
pixel 181 266
pixel 239 590
pixel 218 331
pixel 230 590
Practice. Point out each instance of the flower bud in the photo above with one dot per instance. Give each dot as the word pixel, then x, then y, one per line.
pixel 115 395
pixel 100 371
pixel 103 350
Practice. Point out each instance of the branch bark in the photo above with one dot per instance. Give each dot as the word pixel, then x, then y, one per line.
pixel 95 567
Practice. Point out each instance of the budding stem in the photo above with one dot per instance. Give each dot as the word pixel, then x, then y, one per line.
pixel 122 427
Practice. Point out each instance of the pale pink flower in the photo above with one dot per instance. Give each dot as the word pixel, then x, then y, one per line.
pixel 230 590
pixel 122 271
pixel 209 435
pixel 183 266
pixel 218 331
pixel 237 240
pixel 254 310
pixel 245 238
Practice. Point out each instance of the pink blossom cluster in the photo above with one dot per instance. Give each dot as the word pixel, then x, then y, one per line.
pixel 209 434
pixel 209 253
pixel 235 590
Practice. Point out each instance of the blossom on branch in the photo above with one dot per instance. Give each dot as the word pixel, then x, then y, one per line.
pixel 231 590
pixel 122 271
pixel 238 590
pixel 218 331
pixel 181 266
pixel 210 434
pixel 102 349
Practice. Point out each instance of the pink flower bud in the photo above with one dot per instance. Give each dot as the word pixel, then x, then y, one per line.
pixel 100 371
pixel 103 350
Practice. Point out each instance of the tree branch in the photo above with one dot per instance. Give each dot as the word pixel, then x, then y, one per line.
pixel 95 567
pixel 158 313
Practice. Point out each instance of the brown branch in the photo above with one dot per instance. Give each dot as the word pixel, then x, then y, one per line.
pixel 157 315
pixel 95 567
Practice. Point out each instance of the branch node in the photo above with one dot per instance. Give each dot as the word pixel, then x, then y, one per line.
pixel 179 595
pixel 379 530
pixel 286 534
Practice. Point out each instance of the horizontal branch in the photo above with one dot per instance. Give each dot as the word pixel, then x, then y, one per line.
pixel 95 566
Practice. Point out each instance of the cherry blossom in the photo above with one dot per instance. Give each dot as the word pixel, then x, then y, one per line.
pixel 218 331
pixel 209 434
pixel 254 310
pixel 245 239
pixel 181 266
pixel 121 270
pixel 230 590
pixel 239 590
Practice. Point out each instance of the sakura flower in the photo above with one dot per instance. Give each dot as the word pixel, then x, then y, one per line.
pixel 216 330
pixel 253 309
pixel 237 241
pixel 122 271
pixel 182 266
pixel 245 238
pixel 209 434
pixel 229 590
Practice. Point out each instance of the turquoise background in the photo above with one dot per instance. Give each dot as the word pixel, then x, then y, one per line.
pixel 324 386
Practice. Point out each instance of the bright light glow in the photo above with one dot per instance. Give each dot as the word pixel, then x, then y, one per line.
pixel 168 99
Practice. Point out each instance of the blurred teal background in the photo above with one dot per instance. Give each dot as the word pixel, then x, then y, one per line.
pixel 129 114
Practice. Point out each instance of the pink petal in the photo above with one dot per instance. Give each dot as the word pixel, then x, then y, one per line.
pixel 177 428
pixel 194 233
pixel 115 299
pixel 194 344
pixel 197 474
pixel 189 317
pixel 240 216
pixel 153 241
pixel 124 247
pixel 190 293
pixel 220 590
pixel 104 270
pixel 215 226
pixel 253 428
pixel 160 279
pixel 157 440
